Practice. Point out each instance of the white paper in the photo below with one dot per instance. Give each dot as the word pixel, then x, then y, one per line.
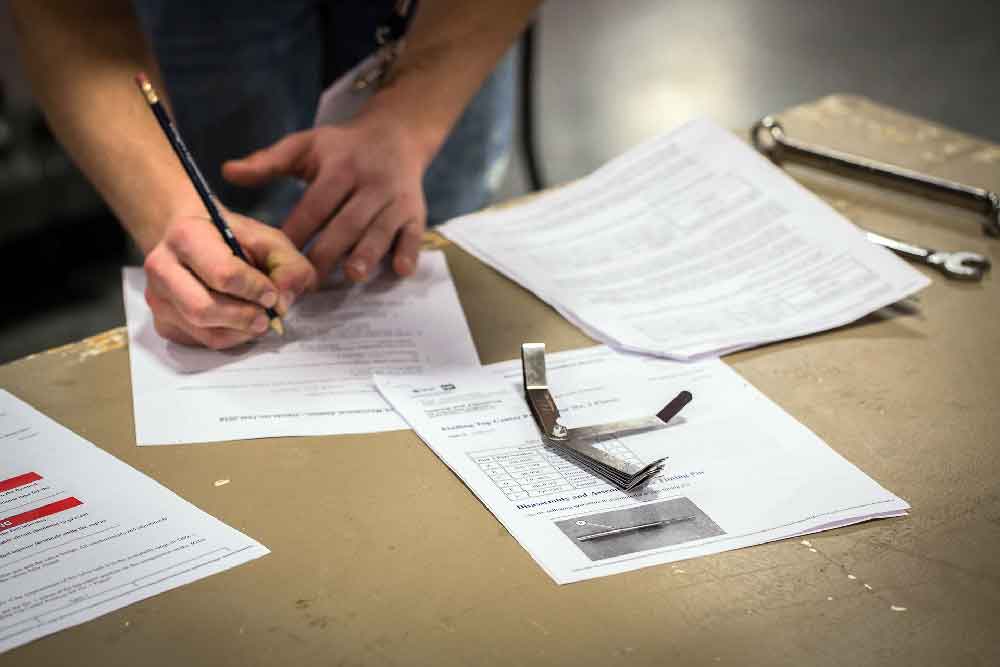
pixel 690 244
pixel 83 534
pixel 740 471
pixel 316 380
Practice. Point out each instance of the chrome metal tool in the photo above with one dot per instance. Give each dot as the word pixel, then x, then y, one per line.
pixel 579 444
pixel 961 265
pixel 768 137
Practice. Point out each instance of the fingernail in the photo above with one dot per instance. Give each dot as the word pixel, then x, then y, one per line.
pixel 260 324
pixel 285 301
pixel 358 269
pixel 269 299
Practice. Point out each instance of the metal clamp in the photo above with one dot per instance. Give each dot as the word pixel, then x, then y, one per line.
pixel 578 443
pixel 768 137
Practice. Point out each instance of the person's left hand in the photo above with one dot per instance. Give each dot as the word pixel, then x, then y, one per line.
pixel 365 192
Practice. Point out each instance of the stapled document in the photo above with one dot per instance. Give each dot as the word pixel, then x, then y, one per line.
pixel 691 244
pixel 83 534
pixel 739 470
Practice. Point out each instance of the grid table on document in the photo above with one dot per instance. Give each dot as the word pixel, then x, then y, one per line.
pixel 533 470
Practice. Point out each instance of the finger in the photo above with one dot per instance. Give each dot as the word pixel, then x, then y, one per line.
pixel 196 305
pixel 169 325
pixel 287 157
pixel 346 229
pixel 319 202
pixel 200 248
pixel 408 243
pixel 163 321
pixel 173 333
pixel 286 267
pixel 375 242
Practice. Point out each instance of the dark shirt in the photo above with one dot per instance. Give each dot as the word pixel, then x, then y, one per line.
pixel 241 75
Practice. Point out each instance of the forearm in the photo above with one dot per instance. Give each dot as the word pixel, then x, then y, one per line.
pixel 451 48
pixel 81 58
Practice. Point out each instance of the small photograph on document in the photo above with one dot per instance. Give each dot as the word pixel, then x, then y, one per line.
pixel 636 529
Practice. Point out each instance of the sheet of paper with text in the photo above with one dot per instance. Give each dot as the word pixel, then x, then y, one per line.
pixel 689 245
pixel 316 380
pixel 83 534
pixel 740 471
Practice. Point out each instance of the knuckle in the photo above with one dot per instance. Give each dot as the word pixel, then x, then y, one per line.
pixel 178 235
pixel 273 236
pixel 301 271
pixel 411 229
pixel 197 311
pixel 154 263
pixel 157 305
pixel 341 179
pixel 367 254
pixel 376 242
pixel 246 317
pixel 349 163
pixel 298 279
pixel 229 279
pixel 312 215
pixel 353 222
pixel 162 329
pixel 413 211
pixel 172 232
pixel 217 340
pixel 419 213
pixel 169 332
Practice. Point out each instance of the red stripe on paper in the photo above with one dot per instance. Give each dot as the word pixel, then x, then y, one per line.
pixel 39 513
pixel 20 480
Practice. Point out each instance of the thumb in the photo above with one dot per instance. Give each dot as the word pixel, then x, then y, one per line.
pixel 283 158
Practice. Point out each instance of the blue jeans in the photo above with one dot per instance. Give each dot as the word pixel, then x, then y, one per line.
pixel 242 75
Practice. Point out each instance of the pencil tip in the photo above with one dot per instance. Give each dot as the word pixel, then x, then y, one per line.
pixel 278 326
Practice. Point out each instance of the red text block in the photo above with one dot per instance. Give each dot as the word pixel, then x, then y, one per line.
pixel 20 480
pixel 39 513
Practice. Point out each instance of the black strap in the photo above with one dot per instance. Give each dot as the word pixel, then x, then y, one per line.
pixel 393 27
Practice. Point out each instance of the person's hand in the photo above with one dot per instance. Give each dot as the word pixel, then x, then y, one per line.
pixel 365 193
pixel 202 294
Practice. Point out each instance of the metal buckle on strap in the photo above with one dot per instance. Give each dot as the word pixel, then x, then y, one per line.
pixel 389 36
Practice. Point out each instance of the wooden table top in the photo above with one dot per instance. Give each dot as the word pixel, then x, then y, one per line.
pixel 408 568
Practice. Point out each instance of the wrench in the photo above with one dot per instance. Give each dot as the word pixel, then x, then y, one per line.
pixel 961 265
pixel 769 138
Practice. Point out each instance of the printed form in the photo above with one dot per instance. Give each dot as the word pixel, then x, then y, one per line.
pixel 315 380
pixel 83 534
pixel 691 244
pixel 740 471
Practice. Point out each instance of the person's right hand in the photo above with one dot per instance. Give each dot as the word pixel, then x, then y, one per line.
pixel 202 294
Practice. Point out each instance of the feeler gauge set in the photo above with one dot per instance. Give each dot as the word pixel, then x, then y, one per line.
pixel 580 444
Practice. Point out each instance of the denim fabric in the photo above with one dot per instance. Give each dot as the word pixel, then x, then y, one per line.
pixel 467 172
pixel 241 75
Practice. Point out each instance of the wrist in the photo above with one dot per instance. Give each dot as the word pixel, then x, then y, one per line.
pixel 398 105
pixel 155 213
